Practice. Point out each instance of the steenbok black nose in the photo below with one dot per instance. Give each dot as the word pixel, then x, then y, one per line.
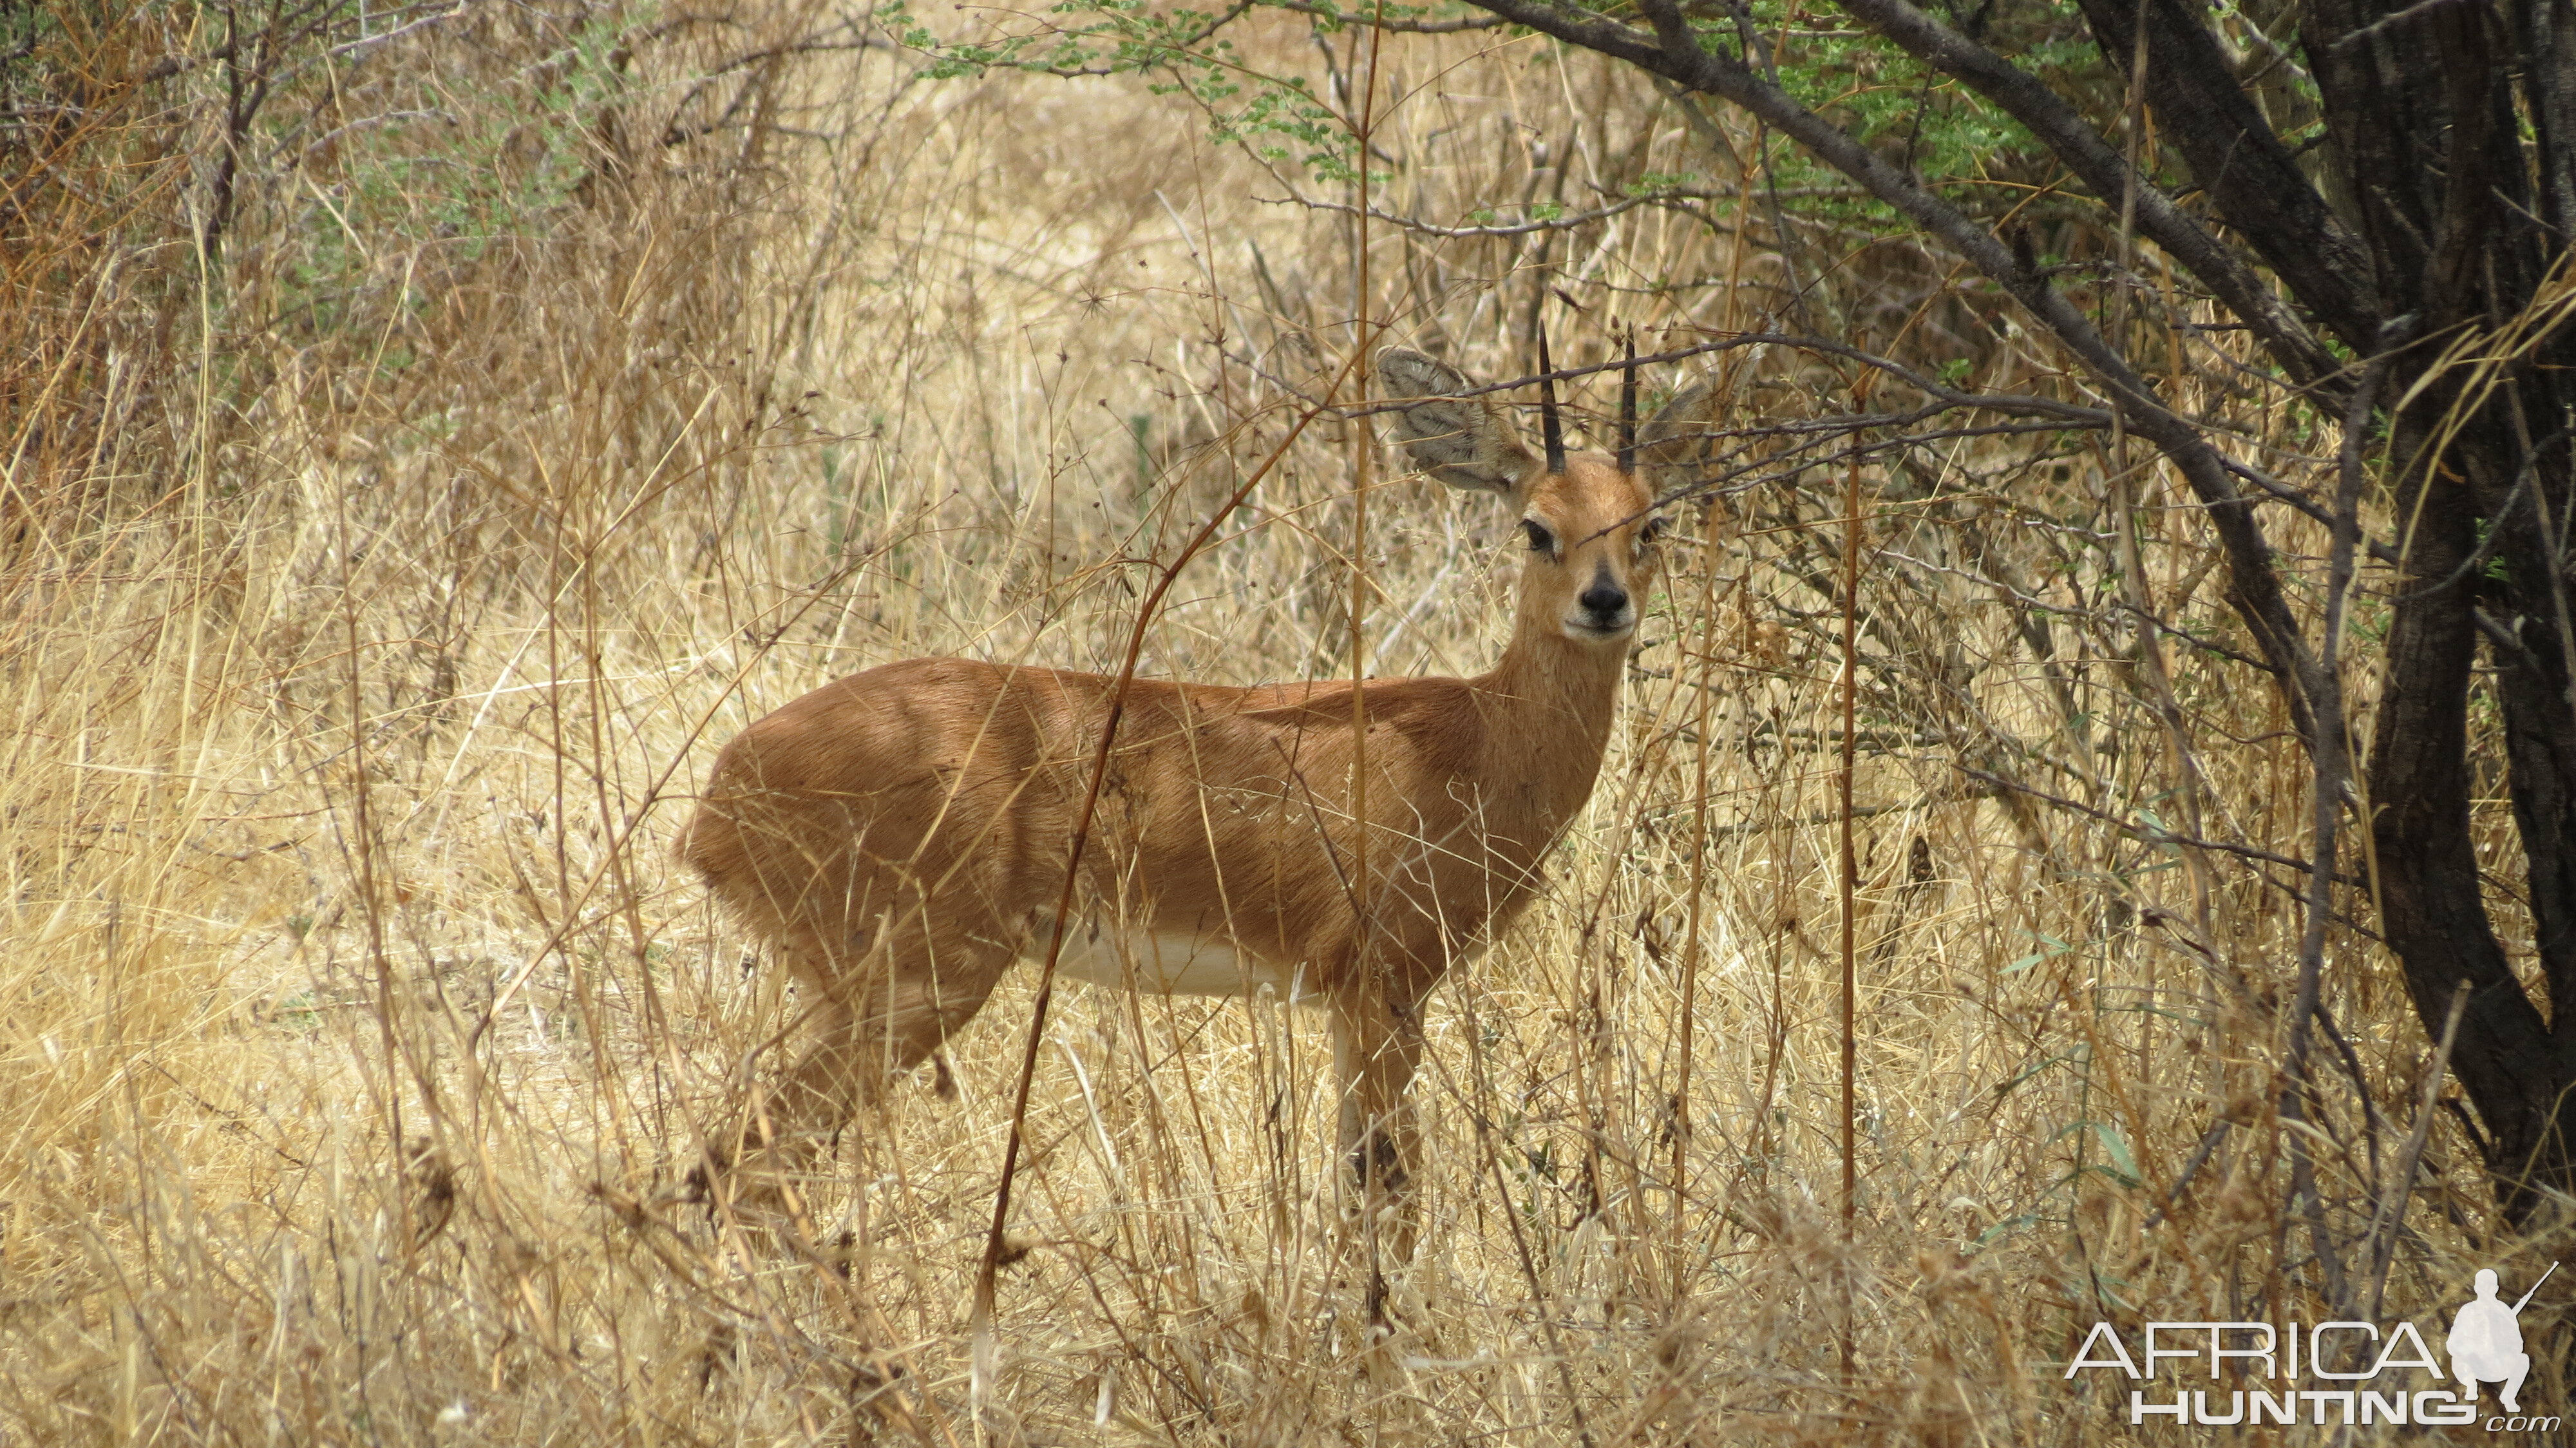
pixel 1604 599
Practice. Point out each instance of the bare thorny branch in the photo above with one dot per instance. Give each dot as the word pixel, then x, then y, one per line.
pixel 2330 757
pixel 1673 50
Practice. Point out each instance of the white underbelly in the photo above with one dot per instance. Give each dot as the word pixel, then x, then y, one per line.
pixel 1170 962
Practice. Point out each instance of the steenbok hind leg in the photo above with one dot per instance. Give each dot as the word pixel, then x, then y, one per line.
pixel 865 1029
pixel 876 1029
pixel 820 1092
pixel 805 1104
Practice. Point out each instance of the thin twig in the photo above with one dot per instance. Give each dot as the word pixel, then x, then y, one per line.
pixel 1400 27
pixel 368 42
pixel 2209 1141
pixel 2017 403
pixel 2327 751
pixel 2410 14
pixel 980 1317
pixel 2150 834
pixel 1456 233
pixel 2380 1247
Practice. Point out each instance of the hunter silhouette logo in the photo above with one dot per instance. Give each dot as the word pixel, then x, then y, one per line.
pixel 2328 1374
pixel 2486 1341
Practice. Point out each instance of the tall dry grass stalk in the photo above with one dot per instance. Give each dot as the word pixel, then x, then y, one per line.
pixel 409 482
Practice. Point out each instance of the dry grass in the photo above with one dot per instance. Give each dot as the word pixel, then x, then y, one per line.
pixel 371 608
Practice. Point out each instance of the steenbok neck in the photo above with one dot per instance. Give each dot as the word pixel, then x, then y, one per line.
pixel 1549 702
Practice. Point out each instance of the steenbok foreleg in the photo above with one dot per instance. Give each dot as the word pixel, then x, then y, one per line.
pixel 1377 1042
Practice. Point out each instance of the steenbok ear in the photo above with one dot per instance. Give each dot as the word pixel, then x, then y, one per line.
pixel 1679 442
pixel 1466 442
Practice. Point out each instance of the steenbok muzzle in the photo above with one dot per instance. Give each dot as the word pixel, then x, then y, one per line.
pixel 900 837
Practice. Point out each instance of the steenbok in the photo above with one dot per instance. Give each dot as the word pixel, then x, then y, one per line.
pixel 901 836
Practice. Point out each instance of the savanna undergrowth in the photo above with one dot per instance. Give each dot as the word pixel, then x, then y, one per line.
pixel 426 434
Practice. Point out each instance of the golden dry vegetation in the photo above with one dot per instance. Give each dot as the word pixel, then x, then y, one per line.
pixel 408 488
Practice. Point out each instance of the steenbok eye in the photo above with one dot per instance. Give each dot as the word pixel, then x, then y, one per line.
pixel 1540 540
pixel 1654 529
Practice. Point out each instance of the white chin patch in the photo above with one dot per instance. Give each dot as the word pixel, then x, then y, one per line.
pixel 1167 962
pixel 1584 633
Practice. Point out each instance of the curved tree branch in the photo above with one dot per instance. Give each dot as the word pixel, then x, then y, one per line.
pixel 2102 169
pixel 1674 52
pixel 2205 115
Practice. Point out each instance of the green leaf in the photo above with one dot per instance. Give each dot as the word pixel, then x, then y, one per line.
pixel 2122 1163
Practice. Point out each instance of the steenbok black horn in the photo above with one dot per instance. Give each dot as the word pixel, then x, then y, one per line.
pixel 1548 428
pixel 1628 405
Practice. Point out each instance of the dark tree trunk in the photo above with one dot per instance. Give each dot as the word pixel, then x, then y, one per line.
pixel 2422 118
pixel 2431 907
